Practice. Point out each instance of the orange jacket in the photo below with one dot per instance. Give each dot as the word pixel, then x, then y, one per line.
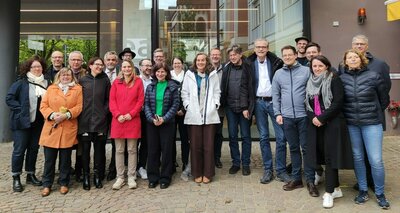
pixel 64 135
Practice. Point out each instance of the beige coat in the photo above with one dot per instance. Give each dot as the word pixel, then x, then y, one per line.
pixel 64 135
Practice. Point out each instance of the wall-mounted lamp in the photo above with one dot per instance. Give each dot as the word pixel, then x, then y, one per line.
pixel 362 15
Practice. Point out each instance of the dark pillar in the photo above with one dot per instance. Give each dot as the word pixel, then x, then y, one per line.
pixel 9 46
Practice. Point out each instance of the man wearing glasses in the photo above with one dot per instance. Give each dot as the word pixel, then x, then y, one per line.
pixel 57 58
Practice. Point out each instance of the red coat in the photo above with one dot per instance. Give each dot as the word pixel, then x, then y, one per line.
pixel 124 99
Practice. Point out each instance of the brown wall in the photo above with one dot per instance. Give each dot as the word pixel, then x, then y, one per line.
pixel 384 36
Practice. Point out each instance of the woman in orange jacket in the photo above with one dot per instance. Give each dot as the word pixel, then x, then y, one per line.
pixel 61 106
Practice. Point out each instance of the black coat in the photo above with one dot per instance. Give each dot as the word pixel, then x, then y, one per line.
pixel 333 132
pixel 96 93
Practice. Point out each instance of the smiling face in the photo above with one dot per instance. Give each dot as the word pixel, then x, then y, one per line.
pixel 215 56
pixel 75 61
pixel 318 67
pixel 111 62
pixel 353 61
pixel 66 77
pixel 201 62
pixel 97 67
pixel 235 58
pixel 127 69
pixel 177 64
pixel 360 44
pixel 57 59
pixel 36 68
pixel 145 68
pixel 312 52
pixel 289 57
pixel 161 74
pixel 261 49
pixel 301 45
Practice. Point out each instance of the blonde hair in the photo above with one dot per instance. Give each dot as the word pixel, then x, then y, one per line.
pixel 62 71
pixel 364 60
pixel 133 75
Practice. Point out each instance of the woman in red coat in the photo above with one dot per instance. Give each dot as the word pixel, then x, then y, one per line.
pixel 126 101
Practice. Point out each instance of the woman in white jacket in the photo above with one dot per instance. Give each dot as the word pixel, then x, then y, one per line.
pixel 200 95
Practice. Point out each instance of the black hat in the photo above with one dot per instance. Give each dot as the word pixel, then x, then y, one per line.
pixel 301 38
pixel 126 50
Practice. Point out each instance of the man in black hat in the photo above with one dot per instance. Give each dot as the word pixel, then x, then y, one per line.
pixel 128 54
pixel 301 43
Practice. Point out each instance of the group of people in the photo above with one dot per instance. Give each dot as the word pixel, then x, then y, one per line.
pixel 328 117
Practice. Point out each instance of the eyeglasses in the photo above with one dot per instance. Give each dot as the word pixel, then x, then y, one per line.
pixel 76 60
pixel 99 65
pixel 261 47
pixel 57 57
pixel 359 44
pixel 146 65
pixel 39 66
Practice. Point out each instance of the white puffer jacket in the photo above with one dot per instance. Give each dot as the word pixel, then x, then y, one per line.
pixel 190 100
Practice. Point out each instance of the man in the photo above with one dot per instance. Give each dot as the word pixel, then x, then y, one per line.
pixel 313 49
pixel 264 64
pixel 288 95
pixel 57 58
pixel 158 56
pixel 215 56
pixel 111 61
pixel 145 66
pixel 128 55
pixel 75 61
pixel 360 43
pixel 238 100
pixel 301 43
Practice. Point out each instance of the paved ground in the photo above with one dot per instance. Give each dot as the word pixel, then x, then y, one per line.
pixel 227 193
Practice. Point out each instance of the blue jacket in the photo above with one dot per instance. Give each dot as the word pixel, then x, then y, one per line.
pixel 289 91
pixel 18 100
pixel 170 104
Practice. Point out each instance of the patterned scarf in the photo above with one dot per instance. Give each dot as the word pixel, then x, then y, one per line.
pixel 317 85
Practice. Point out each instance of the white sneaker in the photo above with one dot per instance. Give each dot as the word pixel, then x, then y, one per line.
pixel 142 173
pixel 337 193
pixel 132 183
pixel 118 184
pixel 318 178
pixel 328 200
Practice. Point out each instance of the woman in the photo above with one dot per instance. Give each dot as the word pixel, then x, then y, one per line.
pixel 126 101
pixel 24 98
pixel 365 99
pixel 61 106
pixel 200 95
pixel 93 121
pixel 161 105
pixel 178 74
pixel 328 138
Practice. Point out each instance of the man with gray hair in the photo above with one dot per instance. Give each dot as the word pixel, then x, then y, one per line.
pixel 238 99
pixel 75 61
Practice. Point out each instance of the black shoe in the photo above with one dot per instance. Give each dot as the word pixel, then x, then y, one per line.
pixel 111 175
pixel 312 190
pixel 267 177
pixel 246 170
pixel 164 185
pixel 32 179
pixel 234 170
pixel 218 163
pixel 152 185
pixel 293 184
pixel 97 182
pixel 86 182
pixel 17 186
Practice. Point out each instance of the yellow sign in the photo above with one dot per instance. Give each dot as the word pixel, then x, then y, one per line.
pixel 393 10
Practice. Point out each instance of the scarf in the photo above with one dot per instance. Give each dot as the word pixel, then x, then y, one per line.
pixel 319 85
pixel 65 87
pixel 39 91
pixel 201 79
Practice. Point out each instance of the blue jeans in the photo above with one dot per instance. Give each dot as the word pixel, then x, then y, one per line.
pixel 262 110
pixel 25 140
pixel 234 121
pixel 371 137
pixel 296 134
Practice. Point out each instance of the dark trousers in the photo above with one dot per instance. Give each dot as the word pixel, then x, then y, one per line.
pixel 50 157
pixel 323 156
pixel 218 139
pixel 202 150
pixel 160 140
pixel 25 140
pixel 99 145
pixel 183 134
pixel 142 144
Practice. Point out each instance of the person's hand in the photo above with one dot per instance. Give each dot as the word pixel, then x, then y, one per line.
pixel 279 119
pixel 180 113
pixel 246 114
pixel 121 119
pixel 316 122
pixel 59 117
pixel 128 117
